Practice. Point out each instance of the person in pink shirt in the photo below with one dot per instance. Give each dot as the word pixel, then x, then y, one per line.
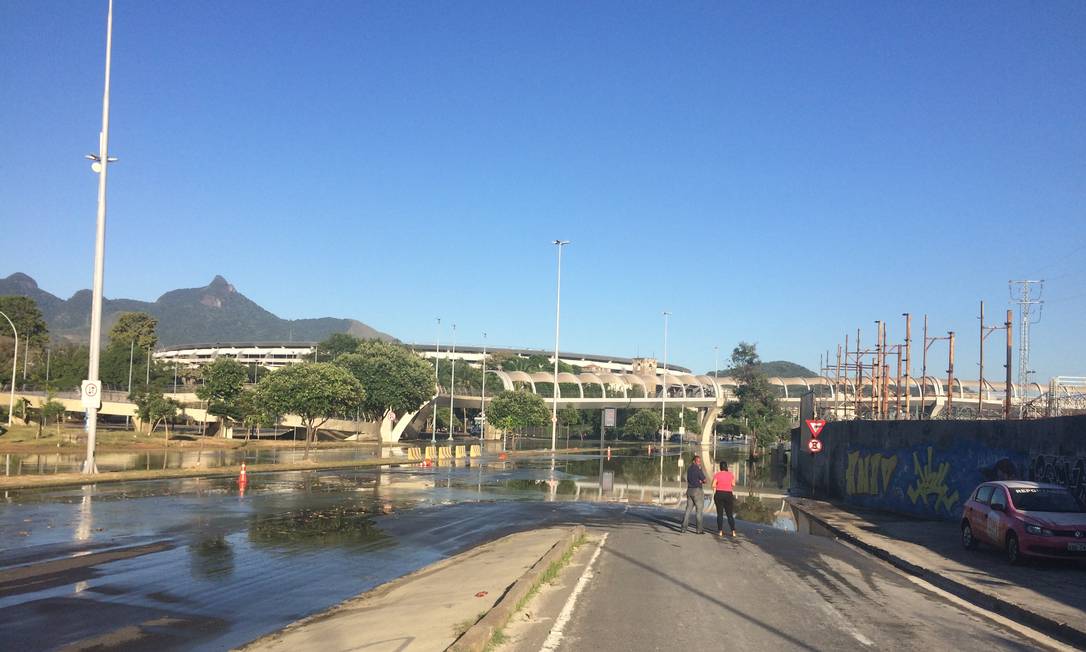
pixel 724 498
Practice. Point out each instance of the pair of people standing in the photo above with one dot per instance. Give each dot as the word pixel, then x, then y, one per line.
pixel 723 486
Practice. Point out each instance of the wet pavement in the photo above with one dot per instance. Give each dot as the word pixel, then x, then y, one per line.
pixel 198 564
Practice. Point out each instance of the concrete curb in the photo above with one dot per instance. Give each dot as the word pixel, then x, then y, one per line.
pixel 1054 628
pixel 477 637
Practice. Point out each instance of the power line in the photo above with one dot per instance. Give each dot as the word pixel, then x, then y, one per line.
pixel 1025 300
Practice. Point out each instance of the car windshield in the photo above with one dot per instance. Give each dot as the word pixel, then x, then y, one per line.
pixel 1045 500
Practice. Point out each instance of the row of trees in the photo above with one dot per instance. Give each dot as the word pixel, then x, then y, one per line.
pixel 362 378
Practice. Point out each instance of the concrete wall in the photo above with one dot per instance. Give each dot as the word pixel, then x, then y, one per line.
pixel 929 468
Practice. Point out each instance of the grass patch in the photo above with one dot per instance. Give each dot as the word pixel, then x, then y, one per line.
pixel 464 625
pixel 548 576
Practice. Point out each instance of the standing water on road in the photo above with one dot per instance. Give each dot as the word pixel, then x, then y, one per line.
pixel 198 563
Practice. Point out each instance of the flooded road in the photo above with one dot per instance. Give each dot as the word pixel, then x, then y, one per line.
pixel 198 564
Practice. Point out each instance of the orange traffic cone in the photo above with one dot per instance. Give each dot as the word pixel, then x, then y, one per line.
pixel 608 453
pixel 503 456
pixel 242 478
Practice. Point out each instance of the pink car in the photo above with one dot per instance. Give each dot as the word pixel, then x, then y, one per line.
pixel 1025 519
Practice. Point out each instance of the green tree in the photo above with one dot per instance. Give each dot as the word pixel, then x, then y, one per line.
pixel 757 404
pixel 253 414
pixel 394 378
pixel 65 366
pixel 33 331
pixel 223 382
pixel 24 313
pixel 132 335
pixel 336 345
pixel 314 391
pixel 53 410
pixel 138 327
pixel 643 423
pixel 518 410
pixel 154 408
pixel 684 417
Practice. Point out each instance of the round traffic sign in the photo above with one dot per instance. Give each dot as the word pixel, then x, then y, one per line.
pixel 815 445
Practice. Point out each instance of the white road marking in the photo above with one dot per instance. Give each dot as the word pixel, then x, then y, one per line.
pixel 554 639
pixel 1026 631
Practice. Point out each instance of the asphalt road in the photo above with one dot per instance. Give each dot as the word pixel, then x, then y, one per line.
pixel 654 589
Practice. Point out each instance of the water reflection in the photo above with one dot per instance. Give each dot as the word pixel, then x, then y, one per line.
pixel 85 519
pixel 336 525
pixel 49 463
pixel 211 557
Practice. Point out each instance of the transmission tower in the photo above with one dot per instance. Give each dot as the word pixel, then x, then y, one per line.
pixel 1024 297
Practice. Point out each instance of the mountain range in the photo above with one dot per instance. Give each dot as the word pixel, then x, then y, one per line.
pixel 215 313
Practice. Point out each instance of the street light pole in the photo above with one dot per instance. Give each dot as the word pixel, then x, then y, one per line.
pixel 100 165
pixel 482 401
pixel 131 357
pixel 557 329
pixel 14 367
pixel 663 403
pixel 452 385
pixel 437 382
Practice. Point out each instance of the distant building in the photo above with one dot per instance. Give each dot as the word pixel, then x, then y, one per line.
pixel 272 355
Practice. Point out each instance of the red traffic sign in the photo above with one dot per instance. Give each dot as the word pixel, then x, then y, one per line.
pixel 814 445
pixel 816 426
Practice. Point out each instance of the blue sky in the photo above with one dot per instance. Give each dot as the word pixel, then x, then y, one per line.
pixel 782 173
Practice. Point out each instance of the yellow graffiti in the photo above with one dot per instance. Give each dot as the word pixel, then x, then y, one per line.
pixel 869 474
pixel 931 482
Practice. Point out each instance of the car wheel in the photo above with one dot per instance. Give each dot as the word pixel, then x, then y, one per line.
pixel 1014 555
pixel 967 536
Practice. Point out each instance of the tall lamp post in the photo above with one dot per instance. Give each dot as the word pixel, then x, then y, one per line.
pixel 482 401
pixel 437 382
pixel 557 329
pixel 100 165
pixel 663 403
pixel 452 385
pixel 14 367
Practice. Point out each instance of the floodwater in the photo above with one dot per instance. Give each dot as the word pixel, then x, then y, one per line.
pixel 200 564
pixel 186 458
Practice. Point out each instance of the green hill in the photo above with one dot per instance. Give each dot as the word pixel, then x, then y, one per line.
pixel 780 369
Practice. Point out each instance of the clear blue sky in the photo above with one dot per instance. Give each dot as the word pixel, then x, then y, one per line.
pixel 782 173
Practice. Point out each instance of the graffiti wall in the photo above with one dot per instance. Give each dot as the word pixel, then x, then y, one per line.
pixel 928 469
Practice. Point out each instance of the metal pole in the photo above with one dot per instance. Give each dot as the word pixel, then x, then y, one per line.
pixel 131 357
pixel 14 367
pixel 131 354
pixel 663 403
pixel 103 162
pixel 897 386
pixel 26 356
pixel 147 380
pixel 452 384
pixel 1010 387
pixel 557 330
pixel 482 401
pixel 859 378
pixel 950 379
pixel 924 373
pixel 876 370
pixel 437 384
pixel 908 363
pixel 837 379
pixel 48 364
pixel 980 371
